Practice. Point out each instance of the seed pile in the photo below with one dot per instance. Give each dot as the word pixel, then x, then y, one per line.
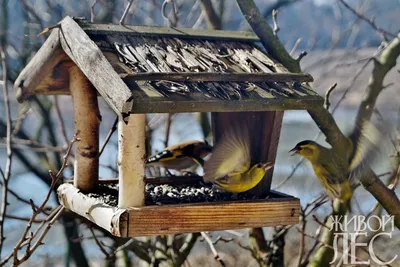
pixel 171 194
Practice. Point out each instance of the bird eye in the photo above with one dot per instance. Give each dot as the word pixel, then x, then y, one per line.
pixel 258 165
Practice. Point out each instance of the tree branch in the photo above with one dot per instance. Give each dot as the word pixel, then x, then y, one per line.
pixel 214 21
pixel 266 35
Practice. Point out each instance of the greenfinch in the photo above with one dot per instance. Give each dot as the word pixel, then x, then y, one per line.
pixel 337 173
pixel 230 166
pixel 181 156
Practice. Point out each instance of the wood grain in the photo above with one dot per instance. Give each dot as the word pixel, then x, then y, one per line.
pixel 188 218
pixel 218 77
pixel 40 66
pixel 88 57
pixel 182 218
pixel 87 122
pixel 131 156
pixel 193 104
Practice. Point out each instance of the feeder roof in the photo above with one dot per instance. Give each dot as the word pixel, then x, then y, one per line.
pixel 140 69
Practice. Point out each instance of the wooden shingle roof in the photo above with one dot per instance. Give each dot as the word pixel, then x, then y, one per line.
pixel 153 69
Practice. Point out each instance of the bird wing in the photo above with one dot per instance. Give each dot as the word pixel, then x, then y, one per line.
pixel 368 143
pixel 230 156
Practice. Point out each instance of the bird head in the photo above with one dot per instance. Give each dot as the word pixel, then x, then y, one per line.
pixel 264 166
pixel 307 148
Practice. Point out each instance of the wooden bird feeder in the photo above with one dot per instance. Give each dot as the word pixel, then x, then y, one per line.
pixel 139 70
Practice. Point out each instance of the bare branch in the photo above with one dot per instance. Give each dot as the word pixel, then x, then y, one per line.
pixel 214 251
pixel 109 134
pixel 369 21
pixel 102 249
pixel 274 20
pixel 7 171
pixel 214 21
pixel 327 103
pixel 27 237
pixel 92 15
pixel 295 46
pixel 126 11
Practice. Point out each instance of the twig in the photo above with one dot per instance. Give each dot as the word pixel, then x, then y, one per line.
pixel 369 21
pixel 121 21
pixel 302 54
pixel 167 129
pixel 295 46
pixel 44 148
pixel 7 171
pixel 108 137
pixel 302 239
pixel 311 250
pixel 327 103
pixel 102 249
pixel 274 21
pixel 60 121
pixel 164 12
pixel 222 239
pixel 26 238
pixel 214 251
pixel 92 15
pixel 18 218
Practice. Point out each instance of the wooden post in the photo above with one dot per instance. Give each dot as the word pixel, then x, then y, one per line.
pixel 87 121
pixel 265 128
pixel 131 156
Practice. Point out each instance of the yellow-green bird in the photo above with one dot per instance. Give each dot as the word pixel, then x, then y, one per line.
pixel 338 173
pixel 230 166
pixel 181 156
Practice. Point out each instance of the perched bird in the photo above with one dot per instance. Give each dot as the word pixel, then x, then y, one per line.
pixel 338 173
pixel 181 156
pixel 230 166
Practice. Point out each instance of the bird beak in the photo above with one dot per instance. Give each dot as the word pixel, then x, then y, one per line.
pixel 294 151
pixel 267 166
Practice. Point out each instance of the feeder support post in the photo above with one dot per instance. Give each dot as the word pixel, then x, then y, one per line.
pixel 131 156
pixel 87 121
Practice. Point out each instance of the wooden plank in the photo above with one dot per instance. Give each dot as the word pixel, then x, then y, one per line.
pixel 40 66
pixel 89 58
pixel 188 218
pixel 87 122
pixel 131 156
pixel 218 77
pixel 163 105
pixel 92 209
pixel 94 29
pixel 181 218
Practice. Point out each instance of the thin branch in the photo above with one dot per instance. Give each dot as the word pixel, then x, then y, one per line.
pixel 126 11
pixel 295 46
pixel 327 103
pixel 7 171
pixel 274 21
pixel 265 33
pixel 174 12
pixel 168 129
pixel 102 249
pixel 214 21
pixel 26 238
pixel 369 21
pixel 92 15
pixel 108 137
pixel 214 251
pixel 60 121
